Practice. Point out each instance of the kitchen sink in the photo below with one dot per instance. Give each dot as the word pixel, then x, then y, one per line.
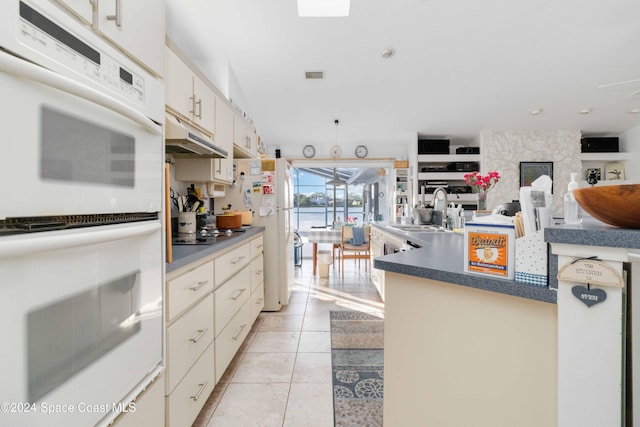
pixel 429 228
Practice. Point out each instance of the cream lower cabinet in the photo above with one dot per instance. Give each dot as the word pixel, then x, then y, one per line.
pixel 377 249
pixel 238 295
pixel 211 306
pixel 190 374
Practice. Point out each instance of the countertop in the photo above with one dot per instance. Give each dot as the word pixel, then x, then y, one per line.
pixel 441 258
pixel 593 233
pixel 186 254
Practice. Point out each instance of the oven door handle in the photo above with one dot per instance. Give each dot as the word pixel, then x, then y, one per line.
pixel 27 244
pixel 23 69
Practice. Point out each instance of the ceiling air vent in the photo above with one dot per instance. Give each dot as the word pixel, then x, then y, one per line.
pixel 314 75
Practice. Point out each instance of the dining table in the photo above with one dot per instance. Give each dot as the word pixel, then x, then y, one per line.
pixel 322 235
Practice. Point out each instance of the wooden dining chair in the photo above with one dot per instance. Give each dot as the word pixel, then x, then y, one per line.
pixel 355 252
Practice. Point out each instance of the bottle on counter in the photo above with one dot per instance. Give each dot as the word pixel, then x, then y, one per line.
pixel 572 212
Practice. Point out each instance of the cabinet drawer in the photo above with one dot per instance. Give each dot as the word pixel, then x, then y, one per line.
pixel 188 288
pixel 257 302
pixel 257 272
pixel 231 262
pixel 256 246
pixel 229 341
pixel 187 339
pixel 230 297
pixel 186 401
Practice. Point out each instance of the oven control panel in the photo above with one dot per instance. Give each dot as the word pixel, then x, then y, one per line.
pixel 57 44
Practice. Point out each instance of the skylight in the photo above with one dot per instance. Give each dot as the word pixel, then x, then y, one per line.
pixel 323 8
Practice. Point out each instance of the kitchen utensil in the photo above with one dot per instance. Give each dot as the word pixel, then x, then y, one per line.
pixel 614 204
pixel 228 221
pixel 195 206
pixel 180 204
pixel 186 222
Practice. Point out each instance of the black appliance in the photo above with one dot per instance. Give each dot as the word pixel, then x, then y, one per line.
pixel 607 144
pixel 468 150
pixel 433 146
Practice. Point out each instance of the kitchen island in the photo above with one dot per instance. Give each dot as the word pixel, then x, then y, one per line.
pixel 462 349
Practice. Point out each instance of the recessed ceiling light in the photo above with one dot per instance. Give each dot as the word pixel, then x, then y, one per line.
pixel 634 111
pixel 387 53
pixel 536 111
pixel 323 8
pixel 585 111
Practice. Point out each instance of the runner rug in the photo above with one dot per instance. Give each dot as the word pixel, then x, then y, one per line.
pixel 357 343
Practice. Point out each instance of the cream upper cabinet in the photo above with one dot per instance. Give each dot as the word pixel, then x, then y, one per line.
pixel 136 26
pixel 186 94
pixel 204 100
pixel 223 137
pixel 178 80
pixel 245 138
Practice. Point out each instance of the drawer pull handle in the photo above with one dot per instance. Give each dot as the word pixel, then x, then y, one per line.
pixel 259 246
pixel 237 260
pixel 202 387
pixel 201 332
pixel 240 292
pixel 198 285
pixel 239 332
pixel 258 302
pixel 259 271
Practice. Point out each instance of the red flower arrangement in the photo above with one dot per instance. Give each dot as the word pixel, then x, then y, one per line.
pixel 481 184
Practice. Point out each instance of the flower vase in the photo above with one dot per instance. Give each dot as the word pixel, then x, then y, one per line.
pixel 482 201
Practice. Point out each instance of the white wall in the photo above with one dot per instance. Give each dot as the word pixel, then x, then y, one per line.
pixel 503 152
pixel 630 143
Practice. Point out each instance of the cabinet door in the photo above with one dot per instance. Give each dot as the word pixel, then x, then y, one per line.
pixel 252 141
pixel 137 27
pixel 178 81
pixel 240 132
pixel 204 100
pixel 224 126
pixel 81 8
pixel 223 170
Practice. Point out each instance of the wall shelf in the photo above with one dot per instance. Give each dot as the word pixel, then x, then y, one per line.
pixel 604 157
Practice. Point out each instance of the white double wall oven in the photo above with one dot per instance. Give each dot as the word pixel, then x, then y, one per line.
pixel 81 258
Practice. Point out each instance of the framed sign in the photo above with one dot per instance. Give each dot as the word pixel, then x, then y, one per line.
pixel 530 171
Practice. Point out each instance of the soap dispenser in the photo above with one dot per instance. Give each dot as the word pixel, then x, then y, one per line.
pixel 572 214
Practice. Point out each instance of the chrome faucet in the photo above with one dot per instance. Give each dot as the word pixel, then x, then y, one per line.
pixel 443 199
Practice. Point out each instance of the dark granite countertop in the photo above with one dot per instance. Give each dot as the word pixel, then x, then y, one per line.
pixel 441 258
pixel 186 254
pixel 593 233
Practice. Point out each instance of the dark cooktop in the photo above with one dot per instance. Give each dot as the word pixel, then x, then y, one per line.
pixel 206 237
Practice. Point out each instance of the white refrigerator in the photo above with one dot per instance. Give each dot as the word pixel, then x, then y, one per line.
pixel 265 187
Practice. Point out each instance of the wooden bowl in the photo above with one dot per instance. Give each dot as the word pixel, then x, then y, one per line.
pixel 617 205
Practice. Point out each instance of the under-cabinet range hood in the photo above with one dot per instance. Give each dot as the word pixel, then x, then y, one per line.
pixel 183 139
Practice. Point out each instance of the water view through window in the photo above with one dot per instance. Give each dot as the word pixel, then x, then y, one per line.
pixel 314 201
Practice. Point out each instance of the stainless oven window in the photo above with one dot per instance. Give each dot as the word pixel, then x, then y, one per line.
pixel 66 336
pixel 73 149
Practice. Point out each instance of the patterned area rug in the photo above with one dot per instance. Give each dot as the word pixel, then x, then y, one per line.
pixel 357 343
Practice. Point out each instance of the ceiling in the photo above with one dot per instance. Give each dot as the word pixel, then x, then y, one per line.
pixel 460 67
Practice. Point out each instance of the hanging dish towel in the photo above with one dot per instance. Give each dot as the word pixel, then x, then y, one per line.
pixel 358 236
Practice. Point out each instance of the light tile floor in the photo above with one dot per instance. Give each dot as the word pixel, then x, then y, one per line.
pixel 281 375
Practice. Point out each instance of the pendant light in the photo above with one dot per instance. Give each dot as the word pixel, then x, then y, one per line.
pixel 336 181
